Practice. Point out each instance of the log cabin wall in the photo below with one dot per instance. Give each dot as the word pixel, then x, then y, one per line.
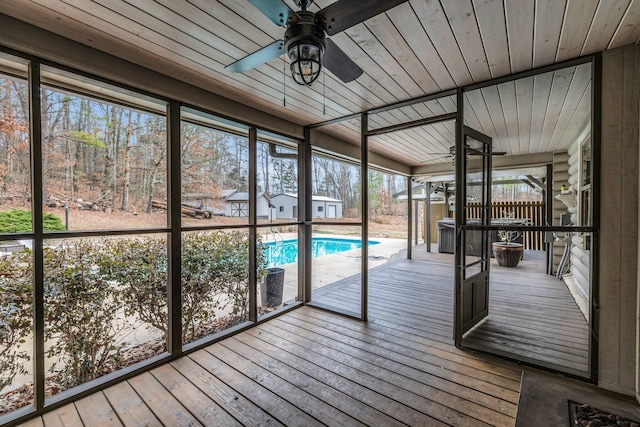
pixel 580 257
pixel 618 354
pixel 560 178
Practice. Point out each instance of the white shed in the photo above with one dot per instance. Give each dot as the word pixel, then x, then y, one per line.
pixel 237 204
pixel 326 207
pixel 286 206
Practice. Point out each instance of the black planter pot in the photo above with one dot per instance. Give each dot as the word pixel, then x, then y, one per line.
pixel 507 254
pixel 272 288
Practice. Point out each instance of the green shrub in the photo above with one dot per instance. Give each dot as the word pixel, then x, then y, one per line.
pixel 16 313
pixel 52 223
pixel 139 268
pixel 215 277
pixel 202 269
pixel 19 221
pixel 81 313
pixel 89 286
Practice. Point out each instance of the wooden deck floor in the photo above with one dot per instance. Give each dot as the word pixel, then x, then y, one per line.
pixel 533 317
pixel 310 367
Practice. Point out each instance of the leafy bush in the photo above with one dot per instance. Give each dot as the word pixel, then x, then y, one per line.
pixel 215 277
pixel 139 268
pixel 16 313
pixel 19 221
pixel 81 313
pixel 201 292
pixel 91 287
pixel 51 222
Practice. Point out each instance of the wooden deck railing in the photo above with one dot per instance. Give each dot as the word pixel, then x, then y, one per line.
pixel 532 211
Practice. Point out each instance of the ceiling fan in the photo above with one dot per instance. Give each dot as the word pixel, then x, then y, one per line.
pixel 305 39
pixel 470 151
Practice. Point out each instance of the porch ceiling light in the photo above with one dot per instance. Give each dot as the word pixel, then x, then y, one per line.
pixel 305 44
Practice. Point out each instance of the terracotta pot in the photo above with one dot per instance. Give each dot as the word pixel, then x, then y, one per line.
pixel 507 254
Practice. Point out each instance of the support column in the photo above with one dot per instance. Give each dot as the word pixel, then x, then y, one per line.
pixel 174 261
pixel 459 218
pixel 305 230
pixel 409 215
pixel 253 209
pixel 416 221
pixel 35 131
pixel 364 167
pixel 427 214
pixel 548 206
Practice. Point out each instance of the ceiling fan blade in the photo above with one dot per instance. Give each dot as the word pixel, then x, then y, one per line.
pixel 258 57
pixel 473 152
pixel 345 14
pixel 336 61
pixel 276 10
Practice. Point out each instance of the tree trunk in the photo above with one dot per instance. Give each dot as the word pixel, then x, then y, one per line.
pixel 267 184
pixel 49 129
pixel 117 125
pixel 126 164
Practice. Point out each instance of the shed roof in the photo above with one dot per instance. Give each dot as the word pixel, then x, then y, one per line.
pixel 242 196
pixel 314 198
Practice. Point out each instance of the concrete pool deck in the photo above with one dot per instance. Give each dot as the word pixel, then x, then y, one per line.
pixel 329 269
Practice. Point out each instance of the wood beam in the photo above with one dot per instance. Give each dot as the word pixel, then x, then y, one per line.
pixel 501 162
pixel 325 142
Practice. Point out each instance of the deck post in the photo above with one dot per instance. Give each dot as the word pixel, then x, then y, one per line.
pixel 459 214
pixel 416 220
pixel 174 259
pixel 35 133
pixel 548 206
pixel 253 209
pixel 305 213
pixel 427 214
pixel 409 216
pixel 364 165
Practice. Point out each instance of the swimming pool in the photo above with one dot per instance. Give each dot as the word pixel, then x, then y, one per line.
pixel 286 251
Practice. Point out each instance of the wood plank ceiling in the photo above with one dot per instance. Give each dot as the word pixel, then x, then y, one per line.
pixel 418 48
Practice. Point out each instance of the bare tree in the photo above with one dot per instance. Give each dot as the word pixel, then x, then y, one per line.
pixel 126 165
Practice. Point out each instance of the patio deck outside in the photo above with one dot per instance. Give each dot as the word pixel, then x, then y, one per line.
pixel 532 316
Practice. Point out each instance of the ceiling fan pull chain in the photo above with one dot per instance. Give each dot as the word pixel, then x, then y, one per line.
pixel 324 94
pixel 284 82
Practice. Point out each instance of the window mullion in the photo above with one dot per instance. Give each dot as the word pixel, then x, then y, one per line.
pixel 35 123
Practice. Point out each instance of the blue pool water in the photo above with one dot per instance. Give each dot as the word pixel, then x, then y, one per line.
pixel 286 251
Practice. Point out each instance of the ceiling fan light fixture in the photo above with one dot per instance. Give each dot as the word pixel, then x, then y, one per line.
pixel 306 62
pixel 305 44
